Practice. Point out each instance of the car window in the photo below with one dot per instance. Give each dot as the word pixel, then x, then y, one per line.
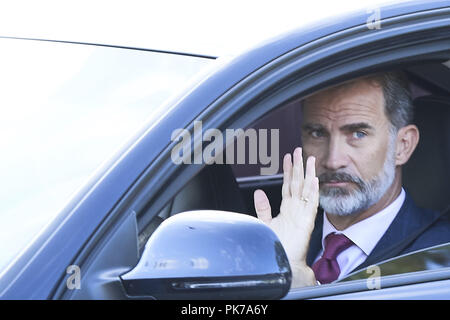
pixel 65 109
pixel 433 258
pixel 286 121
pixel 420 274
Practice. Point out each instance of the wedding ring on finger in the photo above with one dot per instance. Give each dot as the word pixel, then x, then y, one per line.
pixel 304 199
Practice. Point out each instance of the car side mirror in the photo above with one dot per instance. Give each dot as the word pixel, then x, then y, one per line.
pixel 210 254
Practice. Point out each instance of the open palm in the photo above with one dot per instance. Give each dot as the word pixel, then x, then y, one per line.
pixel 295 222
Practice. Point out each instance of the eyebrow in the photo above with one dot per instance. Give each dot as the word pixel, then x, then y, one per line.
pixel 312 126
pixel 356 126
pixel 348 127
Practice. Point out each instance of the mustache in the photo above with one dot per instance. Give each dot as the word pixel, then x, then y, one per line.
pixel 340 177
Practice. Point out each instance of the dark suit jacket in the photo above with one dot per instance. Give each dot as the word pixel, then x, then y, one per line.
pixel 412 229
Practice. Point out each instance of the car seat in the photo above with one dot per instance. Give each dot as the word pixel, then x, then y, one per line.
pixel 426 176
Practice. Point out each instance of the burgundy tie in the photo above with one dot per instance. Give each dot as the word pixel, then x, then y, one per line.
pixel 326 268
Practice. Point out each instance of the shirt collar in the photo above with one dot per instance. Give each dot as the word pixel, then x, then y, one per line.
pixel 366 233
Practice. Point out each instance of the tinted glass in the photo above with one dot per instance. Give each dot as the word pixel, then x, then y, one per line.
pixel 428 259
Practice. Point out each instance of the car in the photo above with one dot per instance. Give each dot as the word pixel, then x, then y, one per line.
pixel 139 225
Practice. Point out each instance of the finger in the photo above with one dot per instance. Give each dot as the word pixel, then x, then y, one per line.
pixel 287 173
pixel 297 174
pixel 311 185
pixel 313 197
pixel 262 206
pixel 316 193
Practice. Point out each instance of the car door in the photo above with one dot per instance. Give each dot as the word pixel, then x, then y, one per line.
pixel 139 185
pixel 295 74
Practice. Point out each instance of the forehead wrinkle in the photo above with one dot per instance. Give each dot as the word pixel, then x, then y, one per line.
pixel 344 115
pixel 344 111
pixel 358 97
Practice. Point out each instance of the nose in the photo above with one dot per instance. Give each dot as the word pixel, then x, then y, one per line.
pixel 336 156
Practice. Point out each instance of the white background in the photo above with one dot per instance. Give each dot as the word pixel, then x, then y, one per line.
pixel 196 26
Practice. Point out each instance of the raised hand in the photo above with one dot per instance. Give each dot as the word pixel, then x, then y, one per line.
pixel 295 222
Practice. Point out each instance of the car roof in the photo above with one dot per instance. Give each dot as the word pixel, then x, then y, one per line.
pixel 180 27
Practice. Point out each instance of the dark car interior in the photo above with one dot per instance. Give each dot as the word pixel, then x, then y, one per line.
pixel 426 176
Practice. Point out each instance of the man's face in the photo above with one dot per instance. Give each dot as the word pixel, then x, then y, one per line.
pixel 347 131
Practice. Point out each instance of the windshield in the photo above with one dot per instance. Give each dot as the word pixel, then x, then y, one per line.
pixel 66 108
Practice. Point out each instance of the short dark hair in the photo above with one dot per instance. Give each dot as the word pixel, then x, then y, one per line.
pixel 398 104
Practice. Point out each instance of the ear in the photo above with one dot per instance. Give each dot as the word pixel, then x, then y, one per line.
pixel 407 140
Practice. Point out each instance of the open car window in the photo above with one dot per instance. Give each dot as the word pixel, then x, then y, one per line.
pixel 239 181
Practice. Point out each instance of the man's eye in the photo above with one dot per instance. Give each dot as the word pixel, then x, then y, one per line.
pixel 316 133
pixel 359 134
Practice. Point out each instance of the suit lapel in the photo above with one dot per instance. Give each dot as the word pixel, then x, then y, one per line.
pixel 315 244
pixel 404 229
pixel 408 224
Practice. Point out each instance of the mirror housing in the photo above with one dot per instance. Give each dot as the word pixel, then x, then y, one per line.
pixel 209 254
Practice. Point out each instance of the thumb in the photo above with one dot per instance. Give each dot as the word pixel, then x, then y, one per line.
pixel 262 206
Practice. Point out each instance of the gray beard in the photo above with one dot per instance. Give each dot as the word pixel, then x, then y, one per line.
pixel 341 202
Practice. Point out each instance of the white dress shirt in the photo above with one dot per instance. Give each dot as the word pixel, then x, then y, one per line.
pixel 365 235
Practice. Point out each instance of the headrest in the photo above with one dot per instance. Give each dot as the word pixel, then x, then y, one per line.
pixel 426 176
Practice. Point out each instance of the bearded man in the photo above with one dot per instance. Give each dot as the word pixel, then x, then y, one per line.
pixel 356 136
